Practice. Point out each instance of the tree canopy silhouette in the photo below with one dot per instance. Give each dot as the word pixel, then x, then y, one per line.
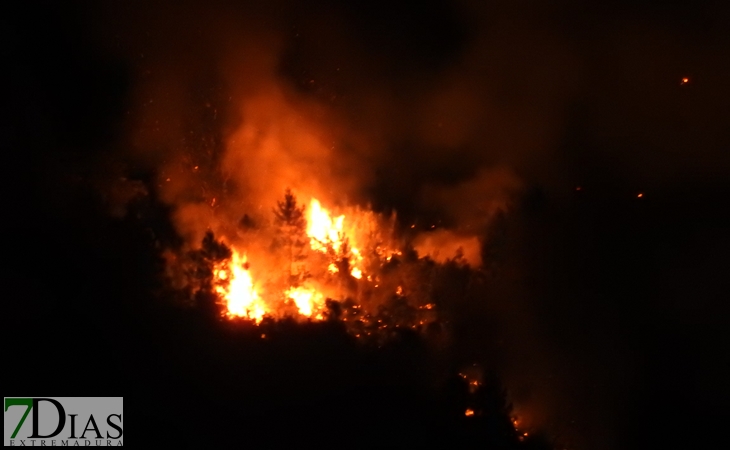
pixel 292 235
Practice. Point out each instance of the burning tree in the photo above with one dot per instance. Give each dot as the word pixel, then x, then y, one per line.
pixel 292 236
pixel 347 265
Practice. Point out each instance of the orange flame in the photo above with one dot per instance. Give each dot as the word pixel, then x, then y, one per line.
pixel 323 229
pixel 265 292
pixel 237 288
pixel 308 301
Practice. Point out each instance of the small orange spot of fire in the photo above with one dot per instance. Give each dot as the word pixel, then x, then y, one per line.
pixel 469 412
pixel 399 291
pixel 357 273
pixel 222 274
pixel 640 195
pixel 413 226
pixel 578 188
pixel 685 80
pixel 263 336
pixel 195 168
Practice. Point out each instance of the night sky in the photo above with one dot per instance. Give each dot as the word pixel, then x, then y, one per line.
pixel 600 130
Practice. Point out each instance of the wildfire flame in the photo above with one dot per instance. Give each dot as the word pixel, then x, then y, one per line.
pixel 325 231
pixel 236 286
pixel 308 301
pixel 298 274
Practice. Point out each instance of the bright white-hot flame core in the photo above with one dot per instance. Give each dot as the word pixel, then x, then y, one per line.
pixel 308 301
pixel 322 229
pixel 240 295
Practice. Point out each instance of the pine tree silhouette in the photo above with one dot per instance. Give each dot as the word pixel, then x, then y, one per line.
pixel 291 224
pixel 201 264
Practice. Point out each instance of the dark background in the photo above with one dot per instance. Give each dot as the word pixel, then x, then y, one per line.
pixel 629 295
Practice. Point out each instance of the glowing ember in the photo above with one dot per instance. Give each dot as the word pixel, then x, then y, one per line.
pixel 685 80
pixel 469 412
pixel 640 195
